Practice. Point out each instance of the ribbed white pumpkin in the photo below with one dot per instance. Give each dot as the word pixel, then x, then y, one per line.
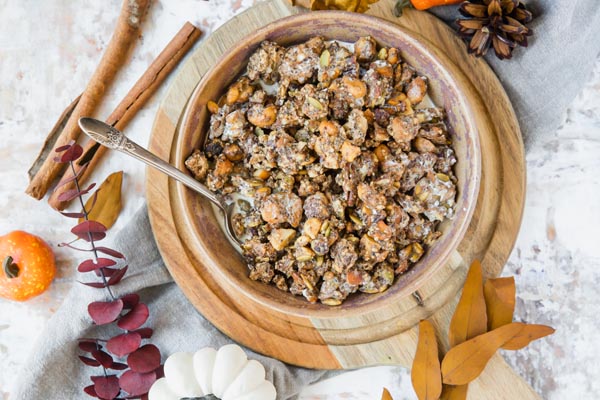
pixel 227 374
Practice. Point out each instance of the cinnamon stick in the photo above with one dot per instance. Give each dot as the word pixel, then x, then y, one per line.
pixel 135 99
pixel 124 36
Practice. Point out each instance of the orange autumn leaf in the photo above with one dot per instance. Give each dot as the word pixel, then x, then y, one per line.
pixel 500 301
pixel 425 373
pixel 470 318
pixel 528 334
pixel 454 392
pixel 106 204
pixel 359 6
pixel 386 395
pixel 465 362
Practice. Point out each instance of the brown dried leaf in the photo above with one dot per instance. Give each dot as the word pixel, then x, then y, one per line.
pixel 454 392
pixel 470 318
pixel 425 374
pixel 466 361
pixel 108 202
pixel 386 395
pixel 528 334
pixel 500 301
pixel 359 6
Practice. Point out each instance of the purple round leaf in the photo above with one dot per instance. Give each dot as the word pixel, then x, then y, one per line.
pixel 64 147
pixel 117 276
pixel 68 195
pixel 97 285
pixel 90 362
pixel 110 252
pixel 145 333
pixel 91 264
pixel 106 387
pixel 90 391
pixel 70 153
pixel 105 312
pixel 134 318
pixel 145 359
pixel 72 214
pixel 124 344
pixel 136 384
pixel 88 345
pixel 119 366
pixel 103 358
pixel 160 371
pixel 87 229
pixel 108 272
pixel 130 300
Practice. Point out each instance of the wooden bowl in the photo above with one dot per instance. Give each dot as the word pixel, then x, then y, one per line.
pixel 445 89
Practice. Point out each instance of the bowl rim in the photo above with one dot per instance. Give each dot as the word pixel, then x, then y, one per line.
pixel 451 74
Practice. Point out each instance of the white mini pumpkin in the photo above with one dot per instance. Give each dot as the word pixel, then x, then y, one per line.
pixel 226 374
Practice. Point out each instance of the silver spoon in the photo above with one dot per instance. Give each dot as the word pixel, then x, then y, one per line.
pixel 112 138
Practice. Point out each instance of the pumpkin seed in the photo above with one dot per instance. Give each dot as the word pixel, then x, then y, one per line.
pixel 314 102
pixel 324 59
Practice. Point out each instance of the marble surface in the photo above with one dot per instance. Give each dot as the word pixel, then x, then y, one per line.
pixel 49 49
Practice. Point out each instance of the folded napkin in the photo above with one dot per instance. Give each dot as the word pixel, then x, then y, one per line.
pixel 541 81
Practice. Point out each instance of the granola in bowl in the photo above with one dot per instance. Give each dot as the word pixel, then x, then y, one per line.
pixel 341 167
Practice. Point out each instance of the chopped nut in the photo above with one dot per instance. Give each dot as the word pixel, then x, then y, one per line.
pixel 350 152
pixel 212 107
pixel 311 227
pixel 280 238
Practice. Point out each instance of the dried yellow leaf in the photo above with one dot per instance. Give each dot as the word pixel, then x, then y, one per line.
pixel 454 392
pixel 425 373
pixel 500 301
pixel 470 318
pixel 466 361
pixel 108 202
pixel 386 395
pixel 528 334
pixel 359 6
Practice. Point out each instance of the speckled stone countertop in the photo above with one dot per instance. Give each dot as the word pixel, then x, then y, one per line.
pixel 49 49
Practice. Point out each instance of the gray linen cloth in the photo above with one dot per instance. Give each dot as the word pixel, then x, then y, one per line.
pixel 541 81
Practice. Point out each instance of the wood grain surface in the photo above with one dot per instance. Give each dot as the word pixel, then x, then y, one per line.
pixel 350 342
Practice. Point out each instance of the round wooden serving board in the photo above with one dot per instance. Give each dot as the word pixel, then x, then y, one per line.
pixel 373 339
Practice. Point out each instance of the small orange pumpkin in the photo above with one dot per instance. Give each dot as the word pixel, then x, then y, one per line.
pixel 27 266
pixel 425 4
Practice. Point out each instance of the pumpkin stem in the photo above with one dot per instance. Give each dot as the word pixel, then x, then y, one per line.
pixel 10 268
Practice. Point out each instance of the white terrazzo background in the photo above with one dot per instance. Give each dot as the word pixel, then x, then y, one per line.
pixel 49 49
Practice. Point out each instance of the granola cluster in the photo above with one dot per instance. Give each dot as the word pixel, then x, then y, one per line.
pixel 340 176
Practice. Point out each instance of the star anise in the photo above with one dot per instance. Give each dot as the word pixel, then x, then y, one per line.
pixel 494 23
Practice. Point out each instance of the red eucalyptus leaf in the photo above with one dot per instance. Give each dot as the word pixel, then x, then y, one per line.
pixel 145 359
pixel 103 358
pixel 110 252
pixel 160 371
pixel 90 391
pixel 94 199
pixel 136 384
pixel 119 366
pixel 117 276
pixel 89 361
pixel 88 345
pixel 145 333
pixel 68 195
pixel 71 177
pixel 105 312
pixel 130 300
pixel 89 228
pixel 124 344
pixel 71 153
pixel 108 272
pixel 97 285
pixel 91 264
pixel 134 318
pixel 73 214
pixel 64 147
pixel 106 387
